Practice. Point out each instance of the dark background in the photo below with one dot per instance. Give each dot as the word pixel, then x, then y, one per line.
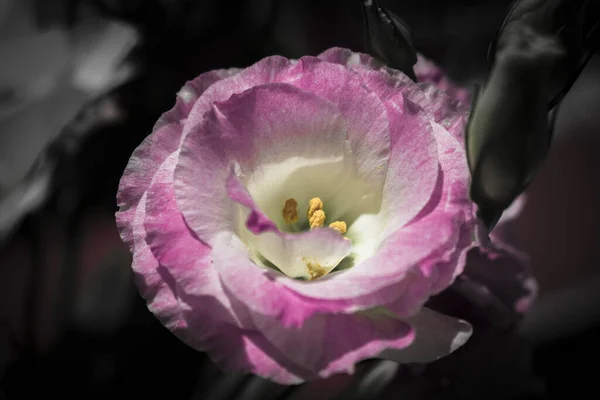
pixel 71 322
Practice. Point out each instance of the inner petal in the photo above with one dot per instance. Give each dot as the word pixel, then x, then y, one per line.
pixel 306 255
pixel 344 195
pixel 287 144
pixel 292 191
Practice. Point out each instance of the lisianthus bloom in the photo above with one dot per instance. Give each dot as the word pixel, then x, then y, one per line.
pixel 292 218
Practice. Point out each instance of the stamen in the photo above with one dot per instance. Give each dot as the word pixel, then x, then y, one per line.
pixel 314 204
pixel 290 211
pixel 339 226
pixel 317 220
pixel 314 269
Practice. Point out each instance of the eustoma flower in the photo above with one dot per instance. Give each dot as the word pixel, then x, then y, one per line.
pixel 292 218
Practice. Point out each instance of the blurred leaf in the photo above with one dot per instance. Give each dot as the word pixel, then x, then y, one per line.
pixel 100 49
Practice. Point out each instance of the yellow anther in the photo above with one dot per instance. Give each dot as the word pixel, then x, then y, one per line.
pixel 317 220
pixel 339 226
pixel 314 204
pixel 290 211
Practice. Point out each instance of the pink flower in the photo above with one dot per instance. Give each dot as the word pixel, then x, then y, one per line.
pixel 214 205
pixel 427 71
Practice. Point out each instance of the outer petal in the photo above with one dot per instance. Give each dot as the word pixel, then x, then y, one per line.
pixel 357 336
pixel 193 304
pixel 325 343
pixel 185 258
pixel 429 72
pixel 449 202
pixel 267 70
pixel 369 137
pixel 447 110
pixel 437 335
pixel 453 198
pixel 350 59
pixel 138 174
pixel 414 156
pixel 451 194
pixel 413 170
pixel 422 263
pixel 391 278
pixel 149 155
pixel 502 272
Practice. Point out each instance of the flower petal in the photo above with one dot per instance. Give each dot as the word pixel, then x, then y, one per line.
pixel 356 336
pixel 193 304
pixel 429 72
pixel 137 177
pixel 177 251
pixel 437 335
pixel 453 197
pixel 264 126
pixel 412 171
pixel 425 255
pixel 392 278
pixel 368 130
pixel 154 282
pixel 268 70
pixel 349 58
pixel 448 110
pixel 503 272
pixel 150 154
pixel 303 255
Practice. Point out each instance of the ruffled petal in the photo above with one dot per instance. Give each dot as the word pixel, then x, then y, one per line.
pixel 193 303
pixel 423 257
pixel 177 251
pixel 368 135
pixel 268 70
pixel 150 154
pixel 412 172
pixel 368 130
pixel 189 94
pixel 260 128
pixel 350 59
pixel 452 196
pixel 392 278
pixel 448 110
pixel 146 160
pixel 323 343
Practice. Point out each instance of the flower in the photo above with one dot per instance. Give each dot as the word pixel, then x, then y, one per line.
pixel 427 71
pixel 293 217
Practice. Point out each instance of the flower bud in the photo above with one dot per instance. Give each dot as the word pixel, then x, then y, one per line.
pixel 388 38
pixel 508 133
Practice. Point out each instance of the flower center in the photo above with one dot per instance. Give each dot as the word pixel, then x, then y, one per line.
pixel 316 215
